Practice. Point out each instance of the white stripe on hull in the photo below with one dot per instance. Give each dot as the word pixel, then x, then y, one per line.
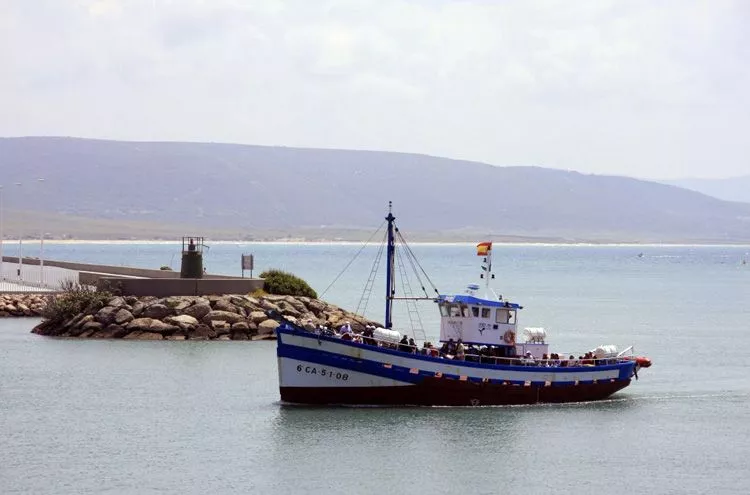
pixel 295 373
pixel 448 366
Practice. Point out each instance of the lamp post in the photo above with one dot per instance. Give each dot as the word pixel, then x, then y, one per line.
pixel 41 240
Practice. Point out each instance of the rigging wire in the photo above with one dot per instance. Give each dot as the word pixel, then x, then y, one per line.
pixel 411 253
pixel 415 320
pixel 352 260
pixel 411 259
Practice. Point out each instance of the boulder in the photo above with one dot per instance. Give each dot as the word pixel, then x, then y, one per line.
pixel 175 337
pixel 142 324
pixel 223 337
pixel 221 326
pixel 178 304
pixel 113 331
pixel 123 317
pixel 222 316
pixel 84 320
pixel 245 302
pixel 198 310
pixel 296 304
pixel 240 336
pixel 268 305
pixel 288 310
pixel 150 336
pixel 274 297
pixel 157 311
pixel 162 328
pixel 202 332
pixel 106 315
pixel 257 317
pixel 240 326
pixel 316 306
pixel 94 326
pixel 267 327
pixel 224 304
pixel 185 322
pixel 117 302
pixel 137 308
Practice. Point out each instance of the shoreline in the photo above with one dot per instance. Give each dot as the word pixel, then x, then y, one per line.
pixel 10 243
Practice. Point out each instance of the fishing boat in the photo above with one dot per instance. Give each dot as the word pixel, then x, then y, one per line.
pixel 482 360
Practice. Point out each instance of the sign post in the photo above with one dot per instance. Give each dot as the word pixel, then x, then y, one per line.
pixel 248 263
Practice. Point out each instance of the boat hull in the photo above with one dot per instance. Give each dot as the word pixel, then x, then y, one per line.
pixel 447 392
pixel 327 371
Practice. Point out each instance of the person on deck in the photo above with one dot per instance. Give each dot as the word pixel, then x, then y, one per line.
pixel 345 328
pixel 403 344
pixel 412 346
pixel 451 347
pixel 460 350
pixel 368 334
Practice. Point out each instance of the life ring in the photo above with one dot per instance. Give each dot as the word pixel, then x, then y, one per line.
pixel 509 337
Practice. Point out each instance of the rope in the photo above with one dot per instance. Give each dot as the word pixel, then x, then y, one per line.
pixel 352 260
pixel 411 253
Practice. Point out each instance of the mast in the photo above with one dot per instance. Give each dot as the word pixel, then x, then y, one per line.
pixel 390 282
pixel 488 265
pixel 485 249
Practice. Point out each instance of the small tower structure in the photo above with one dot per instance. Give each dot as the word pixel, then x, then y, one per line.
pixel 192 257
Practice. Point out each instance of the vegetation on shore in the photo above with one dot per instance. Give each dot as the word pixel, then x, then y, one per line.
pixel 286 284
pixel 72 300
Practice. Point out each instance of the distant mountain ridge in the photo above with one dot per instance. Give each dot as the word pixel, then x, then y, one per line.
pixel 251 189
pixel 729 189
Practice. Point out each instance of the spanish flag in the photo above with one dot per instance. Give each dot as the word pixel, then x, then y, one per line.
pixel 483 248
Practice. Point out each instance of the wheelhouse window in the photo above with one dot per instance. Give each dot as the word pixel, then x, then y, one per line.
pixel 455 311
pixel 485 312
pixel 501 316
pixel 475 312
pixel 511 317
pixel 444 311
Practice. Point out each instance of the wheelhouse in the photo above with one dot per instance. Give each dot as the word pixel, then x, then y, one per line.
pixel 478 321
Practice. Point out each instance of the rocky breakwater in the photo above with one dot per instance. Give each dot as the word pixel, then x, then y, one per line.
pixel 226 317
pixel 22 304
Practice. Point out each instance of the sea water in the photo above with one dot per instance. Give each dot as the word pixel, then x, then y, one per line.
pixel 80 416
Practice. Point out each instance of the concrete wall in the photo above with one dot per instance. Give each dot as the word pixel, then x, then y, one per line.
pixel 179 286
pixel 146 282
pixel 108 269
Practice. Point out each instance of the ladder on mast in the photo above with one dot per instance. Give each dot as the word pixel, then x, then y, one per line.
pixel 411 306
pixel 367 291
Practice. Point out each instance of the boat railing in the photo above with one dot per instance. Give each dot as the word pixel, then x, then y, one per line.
pixel 483 359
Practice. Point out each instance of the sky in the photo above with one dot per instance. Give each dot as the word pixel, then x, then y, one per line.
pixel 644 88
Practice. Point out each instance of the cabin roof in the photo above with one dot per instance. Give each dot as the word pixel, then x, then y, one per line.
pixel 467 299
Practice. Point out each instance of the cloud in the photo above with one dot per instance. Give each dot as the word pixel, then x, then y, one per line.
pixel 640 87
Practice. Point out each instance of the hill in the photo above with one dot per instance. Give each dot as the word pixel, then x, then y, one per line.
pixel 255 190
pixel 730 189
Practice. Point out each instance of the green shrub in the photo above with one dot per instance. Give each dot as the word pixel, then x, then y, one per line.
pixel 278 282
pixel 165 268
pixel 72 300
